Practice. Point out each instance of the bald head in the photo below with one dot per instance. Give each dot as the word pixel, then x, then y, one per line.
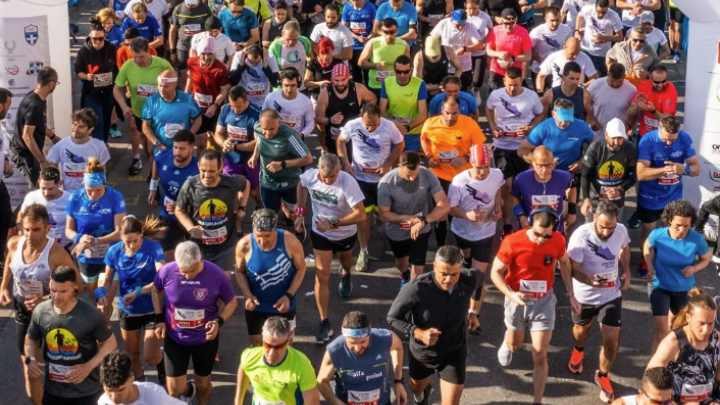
pixel 167 85
pixel 542 152
pixel 543 163
pixel 572 48
pixel 168 74
pixel 269 123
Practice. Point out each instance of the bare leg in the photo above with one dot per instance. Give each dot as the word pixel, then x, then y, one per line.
pixel 507 204
pixel 540 342
pixel 608 353
pixel 364 232
pixel 177 386
pixel 323 260
pixel 131 338
pixel 33 386
pixel 204 389
pixel 581 333
pixel 450 393
pixel 661 330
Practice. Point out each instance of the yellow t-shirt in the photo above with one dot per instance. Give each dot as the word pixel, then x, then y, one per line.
pixel 447 143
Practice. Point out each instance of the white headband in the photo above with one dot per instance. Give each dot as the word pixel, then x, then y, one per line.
pixel 163 80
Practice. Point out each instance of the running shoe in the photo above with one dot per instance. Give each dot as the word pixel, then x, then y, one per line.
pixel 135 167
pixel 403 282
pixel 633 222
pixel 505 355
pixel 426 396
pixel 190 396
pixel 507 230
pixel 345 286
pixel 362 261
pixel 325 331
pixel 642 269
pixel 115 133
pixel 606 391
pixel 575 365
pixel 678 58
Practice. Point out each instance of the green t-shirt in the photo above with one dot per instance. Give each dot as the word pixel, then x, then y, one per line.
pixel 142 81
pixel 285 145
pixel 278 383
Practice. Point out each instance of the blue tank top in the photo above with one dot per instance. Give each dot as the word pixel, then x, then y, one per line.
pixel 270 273
pixel 365 378
pixel 576 99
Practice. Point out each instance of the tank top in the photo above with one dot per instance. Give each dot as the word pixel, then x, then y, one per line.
pixel 630 400
pixel 388 54
pixel 694 370
pixel 31 278
pixel 276 29
pixel 435 72
pixel 363 379
pixel 435 8
pixel 576 99
pixel 403 101
pixel 348 106
pixel 270 273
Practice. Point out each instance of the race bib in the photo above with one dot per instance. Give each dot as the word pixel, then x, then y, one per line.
pixel 402 120
pixel 447 157
pixel 533 289
pixel 695 393
pixel 604 196
pixel 384 74
pixel 335 132
pixel 651 123
pixel 434 19
pixel 103 79
pixel 511 130
pixel 146 90
pixel 57 233
pixel 289 120
pixel 168 204
pixel 58 373
pixel 358 27
pixel 363 397
pixel 74 170
pixel 259 401
pixel 204 100
pixel 255 89
pixel 405 225
pixel 97 251
pixel 214 236
pixel 30 287
pixel 172 129
pixel 191 29
pixel 607 280
pixel 189 318
pixel 669 180
pixel 538 200
pixel 237 134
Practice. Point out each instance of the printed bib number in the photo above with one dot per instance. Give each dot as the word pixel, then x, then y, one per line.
pixel 669 179
pixel 335 132
pixel 370 166
pixel 58 372
pixel 533 289
pixel 607 280
pixel 168 204
pixel 172 129
pixel 214 236
pixel 204 100
pixel 189 318
pixel 358 27
pixel 103 79
pixel 384 74
pixel 191 29
pixel 603 195
pixel 651 123
pixel 363 397
pixel 695 393
pixel 119 14
pixel 97 251
pixel 511 130
pixel 57 232
pixel 538 200
pixel 74 170
pixel 146 90
pixel 30 287
pixel 289 120
pixel 255 89
pixel 447 157
pixel 237 134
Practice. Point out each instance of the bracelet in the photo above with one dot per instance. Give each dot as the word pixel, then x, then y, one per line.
pixel 518 211
pixel 220 321
pixel 572 208
pixel 300 211
pixel 688 169
pixel 399 380
pixel 138 290
pixel 154 184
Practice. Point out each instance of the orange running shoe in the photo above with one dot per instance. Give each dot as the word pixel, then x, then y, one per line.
pixel 606 391
pixel 575 365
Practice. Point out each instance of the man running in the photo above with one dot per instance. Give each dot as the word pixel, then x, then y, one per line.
pixel 361 352
pixel 209 83
pixel 595 251
pixel 256 71
pixel 569 89
pixel 554 65
pixel 611 98
pixel 294 108
pixel 548 38
pixel 450 87
pixel 332 29
pixel 655 99
pixel 431 311
pixel 464 39
pixel 54 198
pixel 507 44
pixel 380 54
pixel 270 268
pixel 598 26
pixel 656 388
pixel 187 20
pixel 193 291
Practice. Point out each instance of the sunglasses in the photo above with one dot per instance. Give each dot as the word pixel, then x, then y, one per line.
pixel 281 346
pixel 542 236
pixel 509 23
pixel 391 32
pixel 402 72
pixel 97 39
pixel 656 402
pixel 51 174
pixel 640 41
pixel 659 81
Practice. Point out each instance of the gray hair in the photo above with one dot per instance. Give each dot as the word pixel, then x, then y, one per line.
pixel 277 327
pixel 564 103
pixel 607 208
pixel 139 44
pixel 291 26
pixel 639 29
pixel 328 162
pixel 187 254
pixel 450 255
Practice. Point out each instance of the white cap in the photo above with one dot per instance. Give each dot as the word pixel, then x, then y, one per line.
pixel 616 129
pixel 647 16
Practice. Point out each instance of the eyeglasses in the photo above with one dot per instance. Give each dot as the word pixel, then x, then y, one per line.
pixel 656 402
pixel 281 346
pixel 98 39
pixel 659 81
pixel 639 41
pixel 542 236
pixel 57 83
pixel 402 72
pixel 390 32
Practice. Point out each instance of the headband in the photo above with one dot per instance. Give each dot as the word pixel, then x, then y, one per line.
pixel 356 333
pixel 264 223
pixel 94 179
pixel 163 80
pixel 480 155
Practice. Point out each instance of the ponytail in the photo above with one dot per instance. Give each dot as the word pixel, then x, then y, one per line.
pixel 697 298
pixel 94 166
pixel 150 228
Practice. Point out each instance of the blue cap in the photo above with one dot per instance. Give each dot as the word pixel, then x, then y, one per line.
pixel 564 114
pixel 459 16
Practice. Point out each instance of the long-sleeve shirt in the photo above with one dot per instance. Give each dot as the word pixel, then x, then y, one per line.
pixel 604 168
pixel 711 207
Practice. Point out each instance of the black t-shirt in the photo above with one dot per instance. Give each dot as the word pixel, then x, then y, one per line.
pixel 605 168
pixel 495 7
pixel 33 112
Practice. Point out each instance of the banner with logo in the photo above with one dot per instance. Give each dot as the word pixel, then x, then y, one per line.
pixel 24 50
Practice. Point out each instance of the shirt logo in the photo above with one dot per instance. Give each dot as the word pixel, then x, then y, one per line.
pixel 200 293
pixel 510 107
pixel 477 194
pixel 551 41
pixel 548 260
pixel 601 251
pixel 61 344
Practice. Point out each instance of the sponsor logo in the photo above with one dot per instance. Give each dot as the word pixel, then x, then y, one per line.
pixel 11 82
pixel 716 149
pixel 10 46
pixel 714 175
pixel 31 34
pixel 200 293
pixel 13 70
pixel 716 189
pixel 34 67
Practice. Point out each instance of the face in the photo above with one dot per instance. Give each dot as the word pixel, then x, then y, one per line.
pixel 472 9
pixel 95 193
pixel 329 178
pixel 290 37
pixel 332 19
pixel 280 15
pixel 49 189
pixel 614 143
pixel 35 231
pixel 615 83
pixel 269 127
pixel 357 345
pixel 601 12
pixel 121 394
pixel 139 16
pixel 509 24
pixel 62 293
pixel 80 130
pixel 370 123
pixel 389 34
pixel 446 275
pixel 659 80
pixel 325 59
pixel 142 58
pixel 182 151
pixel 458 27
pixel 452 90
pixel 571 53
pixel 98 39
pixel 408 174
pixel 667 137
pixel 239 105
pixel 648 26
pixel 653 396
pixel 450 113
pixel 340 83
pixel 572 80
pixel 481 172
pixel 513 87
pixel 637 41
pixel 679 227
pixel 236 10
pixel 207 58
pixel 132 241
pixel 167 90
pixel 539 234
pixel 209 171
pixel 289 88
pixel 701 322
pixel 192 271
pixel 403 73
pixel 4 108
pixel 108 24
pixel 543 166
pixel 553 21
pixel 604 226
pixel 274 348
pixel 265 240
pixel 214 33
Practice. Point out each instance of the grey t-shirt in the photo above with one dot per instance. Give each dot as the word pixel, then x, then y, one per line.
pixel 191 22
pixel 407 198
pixel 605 168
pixel 609 103
pixel 70 339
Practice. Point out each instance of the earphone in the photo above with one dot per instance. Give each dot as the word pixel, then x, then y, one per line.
pixel 553 214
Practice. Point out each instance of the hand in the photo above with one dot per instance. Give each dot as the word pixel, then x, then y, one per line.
pixel 416 229
pixel 586 208
pixel 7 169
pixel 401 395
pixel 196 232
pixel 160 330
pixel 252 163
pixel 625 278
pixel 323 84
pixel 33 301
pixel 238 46
pixel 497 133
pixel 228 146
pixel 458 162
pixel 350 169
pixel 523 220
pixel 102 301
pixel 650 276
pixel 129 298
pixel 251 303
pixel 337 119
pixel 384 169
pixel 505 56
pixel 91 77
pixel 380 65
pixel 427 336
pixel 274 167
pixel 151 198
pixel 575 305
pixel 575 167
pixel 283 304
pixel 171 207
pixel 323 226
pixel 318 9
pixel 523 131
pixel 674 168
pixel 475 215
pixel 5 298
pixel 160 146
pixel 211 330
pixel 525 9
pixel 688 271
pixel 299 224
pixel 78 373
pixel 473 322
pixel 460 51
pixel 569 221
pixel 35 369
pixel 128 113
pixel 496 217
pixel 211 111
pixel 432 162
pixel 45 164
pixel 401 127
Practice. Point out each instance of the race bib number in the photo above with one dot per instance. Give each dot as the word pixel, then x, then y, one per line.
pixel 172 129
pixel 402 120
pixel 191 29
pixel 384 74
pixel 169 204
pixel 607 280
pixel 603 195
pixel 669 180
pixel 97 251
pixel 30 287
pixel 651 123
pixel 533 289
pixel 256 89
pixel 58 372
pixel 214 236
pixel 363 397
pixel 335 132
pixel 146 90
pixel 358 27
pixel 189 318
pixel 204 100
pixel 103 79
pixel 538 200
pixel 511 130
pixel 57 233
pixel 292 122
pixel 74 170
pixel 237 134
pixel 695 393
pixel 447 157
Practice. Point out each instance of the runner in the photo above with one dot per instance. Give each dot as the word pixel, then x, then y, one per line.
pixel 240 23
pixel 337 205
pixel 360 352
pixel 655 36
pixel 657 386
pixel 597 37
pixel 611 98
pixel 338 33
pixel 256 71
pixel 188 19
pixel 403 200
pixel 292 49
pixel 512 112
pixel 571 8
pixel 674 33
pixel 73 350
pixel 278 372
pixel 359 16
pixel 72 153
pixel 655 99
pixel 376 147
pixel 464 39
pixel 430 13
pixel 224 48
pixel 570 89
pixel 51 195
pixel 450 87
pixel 405 16
pixel 139 16
pixel 483 23
pixel 530 256
pixel 6 210
pixel 30 260
pixel 435 321
pixel 211 206
pixel 208 82
pixel 294 108
pixel 380 53
pixel 635 54
pixel 272 28
pixel 507 45
pixel 319 70
pixel 124 53
pixel 674 254
pixel 431 65
pixel 548 38
pixel 595 251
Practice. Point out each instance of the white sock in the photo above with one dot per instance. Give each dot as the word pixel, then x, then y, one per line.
pixel 364 249
pixel 136 156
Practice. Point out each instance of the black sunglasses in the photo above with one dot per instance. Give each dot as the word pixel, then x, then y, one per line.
pixel 659 81
pixel 97 39
pixel 402 72
pixel 541 236
pixel 641 41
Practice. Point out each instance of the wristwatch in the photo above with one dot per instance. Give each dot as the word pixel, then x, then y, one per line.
pixel 423 218
pixel 473 312
pixel 156 143
pixel 28 360
pixel 333 221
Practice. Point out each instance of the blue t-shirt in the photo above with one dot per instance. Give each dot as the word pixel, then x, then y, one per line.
pixel 135 271
pixel 149 29
pixel 238 28
pixel 533 194
pixel 524 17
pixel 656 194
pixel 565 144
pixel 405 16
pixel 168 118
pixel 360 21
pixel 115 36
pixel 239 128
pixel 422 91
pixel 468 105
pixel 172 179
pixel 95 218
pixel 672 256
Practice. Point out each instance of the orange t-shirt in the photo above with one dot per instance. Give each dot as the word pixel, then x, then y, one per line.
pixel 529 263
pixel 665 101
pixel 124 54
pixel 447 143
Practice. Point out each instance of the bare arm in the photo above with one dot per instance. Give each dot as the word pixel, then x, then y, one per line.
pixel 647 173
pixel 27 137
pixel 148 132
pixel 422 114
pixel 346 54
pixel 525 150
pixel 242 248
pixel 172 35
pixel 325 374
pixel 365 55
pixel 311 396
pixel 694 164
pixel 242 385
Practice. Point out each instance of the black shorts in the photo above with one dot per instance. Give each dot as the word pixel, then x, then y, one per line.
pixel 445 185
pixel 479 68
pixel 90 272
pixel 222 257
pixel 255 320
pixel 273 199
pixel 138 124
pixel 174 235
pixel 208 124
pixel 322 243
pixel 676 15
pixel 50 399
pixel 647 216
pixel 370 191
pixel 466 79
pixel 479 250
pixel 130 322
pixel 609 314
pixel 450 367
pixel 662 301
pixel 21 331
pixel 508 161
pixel 177 357
pixel 415 249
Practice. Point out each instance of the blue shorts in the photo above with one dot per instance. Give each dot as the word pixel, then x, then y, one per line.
pixel 412 142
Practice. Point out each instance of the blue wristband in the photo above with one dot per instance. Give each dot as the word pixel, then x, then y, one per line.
pixel 518 210
pixel 138 290
pixel 76 238
pixel 687 170
pixel 99 293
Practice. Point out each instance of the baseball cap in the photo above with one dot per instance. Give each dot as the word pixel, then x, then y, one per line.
pixel 509 14
pixel 459 16
pixel 616 129
pixel 206 45
pixel 432 46
pixel 647 17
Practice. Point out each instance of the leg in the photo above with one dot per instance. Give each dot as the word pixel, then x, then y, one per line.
pixel 152 349
pixel 5 218
pixel 580 334
pixel 177 359
pixel 514 339
pixel 540 342
pixel 345 258
pixel 203 357
pixel 417 386
pixel 610 341
pixel 131 338
pixel 418 253
pixel 417 270
pixel 135 136
pixel 177 386
pixel 364 231
pixel 661 330
pixel 402 264
pixel 204 388
pixel 450 393
pixel 33 386
pixel 323 260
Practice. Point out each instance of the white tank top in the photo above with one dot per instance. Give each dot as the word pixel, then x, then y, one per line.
pixel 630 399
pixel 33 278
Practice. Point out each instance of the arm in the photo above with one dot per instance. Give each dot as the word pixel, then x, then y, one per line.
pixel 525 150
pixel 254 36
pixel 184 218
pixel 546 101
pixel 388 216
pixel 411 35
pixel 311 396
pixel 242 248
pixel 525 57
pixel 197 122
pixel 7 273
pixel 266 34
pixel 325 374
pixel 242 385
pixel 694 164
pixel 422 115
pixel 578 273
pixel 158 42
pixel 149 133
pixel 357 216
pixel 647 173
pixel 365 55
pixel 295 248
pixel 667 351
pixel 442 207
pixel 172 35
pixel 664 51
pixel 114 236
pixel 320 119
pixel 103 349
pixel 346 54
pixel 589 116
pixel 27 137
pixel 454 60
pixel 540 82
pixel 497 275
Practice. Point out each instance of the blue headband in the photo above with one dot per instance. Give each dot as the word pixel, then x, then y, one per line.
pixel 356 333
pixel 94 179
pixel 564 114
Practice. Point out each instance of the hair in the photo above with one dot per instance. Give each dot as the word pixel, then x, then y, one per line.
pixel 332 7
pixel 36 212
pixel 450 255
pixel 187 254
pixel 451 100
pixel 544 219
pixel 290 73
pixel 139 7
pixel 240 3
pixel 403 60
pixel 514 72
pixel 237 92
pixel 409 159
pixel 697 298
pixel 389 23
pixel 281 5
pixel 477 2
pixel 94 166
pixel 670 124
pixel 254 50
pixel 139 44
pixel 571 67
pixel 115 369
pixel 184 135
pixel 150 228
pixel 325 46
pixel 291 25
pixel 97 27
pixel 450 79
pixel 277 327
pixel 86 116
pixel 371 110
pixel 50 174
pixel 212 23
pixel 46 76
pixel 657 67
pixel 5 94
pixel 563 103
pixel 607 208
pixel 269 114
pixel 355 320
pixel 639 29
pixel 602 3
pixel 678 208
pixel 63 274
pixel 616 71
pixel 658 377
pixel 550 10
pixel 131 33
pixel 328 163
pixel 103 15
pixel 212 154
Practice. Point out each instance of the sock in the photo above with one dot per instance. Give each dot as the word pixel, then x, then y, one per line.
pixel 580 349
pixel 113 126
pixel 364 249
pixel 441 233
pixel 419 398
pixel 406 275
pixel 601 374
pixel 505 345
pixel 136 156
pixel 325 321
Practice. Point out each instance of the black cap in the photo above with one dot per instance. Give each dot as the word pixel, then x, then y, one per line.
pixel 509 14
pixel 212 23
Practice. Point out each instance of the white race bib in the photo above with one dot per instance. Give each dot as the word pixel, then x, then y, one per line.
pixel 204 100
pixel 30 287
pixel 167 204
pixel 289 120
pixel 533 289
pixel 255 89
pixel 363 397
pixel 370 166
pixel 119 14
pixel 214 236
pixel 335 132
pixel 434 18
pixel 607 280
pixel 74 170
pixel 651 123
pixel 57 233
pixel 191 29
pixel 189 318
pixel 447 157
pixel 146 90
pixel 103 79
pixel 669 180
pixel 384 74
pixel 97 251
pixel 58 373
pixel 172 129
pixel 538 200
pixel 237 134
pixel 604 196
pixel 511 130
pixel 358 27
pixel 695 393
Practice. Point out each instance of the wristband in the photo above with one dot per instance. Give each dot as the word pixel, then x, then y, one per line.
pixel 687 170
pixel 154 184
pixel 290 296
pixel 399 380
pixel 76 238
pixel 160 318
pixel 572 208
pixel 220 321
pixel 518 211
pixel 283 164
pixel 300 211
pixel 138 290
pixel 99 293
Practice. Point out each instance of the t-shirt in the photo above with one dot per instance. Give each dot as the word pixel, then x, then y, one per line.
pixel 167 118
pixel 628 19
pixel 468 105
pixel 339 35
pixel 135 271
pixel 156 8
pixel 149 29
pixel 207 81
pixel 142 81
pixel 608 25
pixel 253 79
pixel 124 54
pixel 224 48
pixel 172 179
pixel 360 21
pixel 451 37
pixel 665 102
pixel 150 394
pixel 448 143
pixel 407 198
pixel 32 111
pixel 238 28
pixel 573 8
pixel 609 169
pixel 515 43
pixel 471 194
pixel 656 38
pixel 565 144
pixel 609 103
pixel 281 383
pixel 292 56
pixel 56 212
pixel 69 340
pixel 285 145
pixel 531 267
pixel 95 218
pixel 515 112
pixel 599 259
pixel 239 128
pixel 72 158
pixel 555 63
pixel 332 201
pixel 370 150
pixel 656 194
pixel 191 21
pixel 546 41
pixel 482 23
pixel 297 113
pixel 533 194
pixel 190 304
pixel 673 255
pixel 406 16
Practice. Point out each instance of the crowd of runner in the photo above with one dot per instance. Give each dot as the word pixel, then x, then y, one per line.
pixel 222 96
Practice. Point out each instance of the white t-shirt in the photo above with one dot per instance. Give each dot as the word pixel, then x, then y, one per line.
pixel 56 211
pixel 470 194
pixel 546 42
pixel 555 62
pixel 298 113
pixel 608 25
pixel 655 38
pixel 609 103
pixel 157 8
pixel 72 159
pixel 254 79
pixel 449 36
pixel 223 45
pixel 512 112
pixel 483 24
pixel 599 260
pixel 332 201
pixel 573 8
pixel 150 394
pixel 627 19
pixel 370 149
pixel 340 36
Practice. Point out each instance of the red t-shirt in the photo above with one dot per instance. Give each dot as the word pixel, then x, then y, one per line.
pixel 515 43
pixel 206 81
pixel 665 101
pixel 531 263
